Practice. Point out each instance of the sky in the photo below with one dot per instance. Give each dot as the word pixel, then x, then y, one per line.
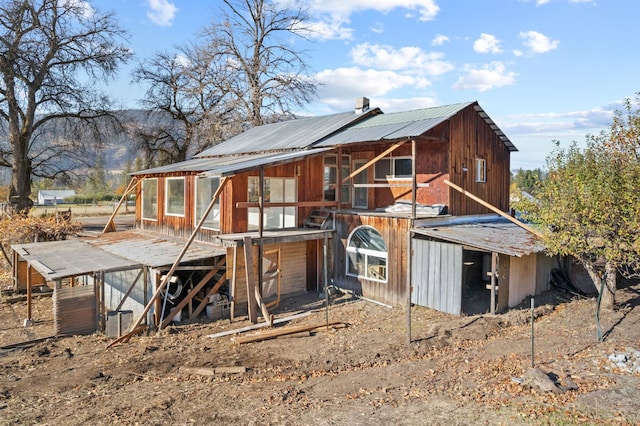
pixel 544 70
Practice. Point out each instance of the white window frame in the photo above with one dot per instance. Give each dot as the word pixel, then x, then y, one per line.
pixel 392 168
pixel 367 253
pixel 287 216
pixel 142 203
pixel 214 214
pixel 481 170
pixel 166 196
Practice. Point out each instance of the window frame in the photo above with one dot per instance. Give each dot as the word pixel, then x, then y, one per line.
pixel 166 196
pixel 391 160
pixel 481 170
pixel 367 253
pixel 282 212
pixel 328 185
pixel 142 202
pixel 215 208
pixel 357 163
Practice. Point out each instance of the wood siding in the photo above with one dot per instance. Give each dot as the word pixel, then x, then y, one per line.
pixel 471 138
pixel 394 231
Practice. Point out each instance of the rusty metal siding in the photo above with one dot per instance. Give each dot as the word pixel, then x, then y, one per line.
pixel 436 273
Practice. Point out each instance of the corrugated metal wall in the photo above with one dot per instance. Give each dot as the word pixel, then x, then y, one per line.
pixel 436 273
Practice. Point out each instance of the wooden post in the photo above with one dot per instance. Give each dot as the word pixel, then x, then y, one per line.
pixel 28 291
pixel 232 294
pixel 493 208
pixel 250 278
pixel 414 185
pixel 494 261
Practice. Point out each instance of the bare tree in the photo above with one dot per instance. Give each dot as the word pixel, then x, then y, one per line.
pixel 256 40
pixel 186 104
pixel 52 54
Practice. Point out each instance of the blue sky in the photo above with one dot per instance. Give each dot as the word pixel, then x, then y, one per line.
pixel 544 70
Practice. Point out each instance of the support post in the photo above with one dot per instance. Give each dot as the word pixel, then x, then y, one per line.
pixel 29 318
pixel 110 226
pixel 250 278
pixel 494 263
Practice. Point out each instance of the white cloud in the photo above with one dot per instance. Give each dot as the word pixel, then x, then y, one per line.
pixel 162 12
pixel 439 40
pixel 334 29
pixel 486 77
pixel 410 59
pixel 538 42
pixel 82 7
pixel 517 52
pixel 426 9
pixel 487 43
pixel 377 28
pixel 349 83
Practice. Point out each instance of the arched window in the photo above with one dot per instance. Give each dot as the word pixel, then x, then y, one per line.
pixel 367 254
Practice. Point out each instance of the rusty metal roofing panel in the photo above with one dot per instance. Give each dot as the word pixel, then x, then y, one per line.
pixel 151 249
pixel 286 135
pixel 499 235
pixel 60 259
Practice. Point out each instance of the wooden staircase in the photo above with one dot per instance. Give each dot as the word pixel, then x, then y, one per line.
pixel 320 219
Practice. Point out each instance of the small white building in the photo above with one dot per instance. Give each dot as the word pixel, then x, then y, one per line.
pixel 51 197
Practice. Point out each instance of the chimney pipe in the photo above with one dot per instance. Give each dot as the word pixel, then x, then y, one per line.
pixel 362 105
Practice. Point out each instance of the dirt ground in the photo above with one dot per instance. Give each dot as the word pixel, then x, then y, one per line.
pixel 456 371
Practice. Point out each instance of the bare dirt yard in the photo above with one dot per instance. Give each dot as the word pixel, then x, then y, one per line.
pixel 457 370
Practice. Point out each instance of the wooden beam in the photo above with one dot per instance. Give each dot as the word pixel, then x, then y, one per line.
pixel 246 204
pixel 272 334
pixel 493 208
pixel 204 301
pixel 110 226
pixel 257 326
pixel 250 279
pixel 164 282
pixel 374 160
pixel 193 292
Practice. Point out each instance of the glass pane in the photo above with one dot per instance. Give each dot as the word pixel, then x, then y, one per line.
pixel 150 199
pixel 175 196
pixel 356 265
pixel 273 217
pixel 360 198
pixel 254 189
pixel 290 191
pixel 382 169
pixel 368 238
pixel 346 194
pixel 402 167
pixel 276 190
pixel 290 217
pixel 329 193
pixel 376 268
pixel 253 217
pixel 205 189
pixel 330 159
pixel 330 175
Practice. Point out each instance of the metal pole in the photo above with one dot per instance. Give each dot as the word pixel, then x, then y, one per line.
pixel 324 277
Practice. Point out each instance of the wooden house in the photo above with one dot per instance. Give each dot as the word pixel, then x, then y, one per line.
pixel 356 200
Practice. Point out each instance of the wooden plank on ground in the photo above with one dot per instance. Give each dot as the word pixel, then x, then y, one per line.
pixel 207 371
pixel 272 334
pixel 258 326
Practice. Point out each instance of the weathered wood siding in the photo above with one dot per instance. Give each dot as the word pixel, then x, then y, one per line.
pixel 394 231
pixel 293 270
pixel 472 138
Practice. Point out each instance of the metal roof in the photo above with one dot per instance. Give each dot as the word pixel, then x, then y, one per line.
pixel 405 124
pixel 109 252
pixel 286 135
pixel 226 166
pixel 496 235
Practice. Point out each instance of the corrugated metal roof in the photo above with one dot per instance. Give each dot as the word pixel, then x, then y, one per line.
pixel 225 166
pixel 287 135
pixel 110 252
pixel 152 249
pixel 60 259
pixel 405 124
pixel 499 235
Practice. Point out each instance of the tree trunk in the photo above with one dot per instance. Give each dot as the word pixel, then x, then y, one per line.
pixel 609 276
pixel 21 177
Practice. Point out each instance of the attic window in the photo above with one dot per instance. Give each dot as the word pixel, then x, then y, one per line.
pixel 481 170
pixel 174 196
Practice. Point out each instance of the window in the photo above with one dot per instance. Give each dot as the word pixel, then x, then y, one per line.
pixel 481 170
pixel 205 189
pixel 393 168
pixel 360 194
pixel 331 178
pixel 150 199
pixel 367 254
pixel 276 190
pixel 174 197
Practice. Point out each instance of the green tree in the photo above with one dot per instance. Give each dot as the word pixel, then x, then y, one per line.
pixel 528 180
pixel 589 203
pixel 54 54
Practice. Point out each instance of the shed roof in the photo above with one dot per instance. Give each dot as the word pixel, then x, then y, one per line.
pixel 405 124
pixel 226 166
pixel 493 234
pixel 286 135
pixel 109 252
